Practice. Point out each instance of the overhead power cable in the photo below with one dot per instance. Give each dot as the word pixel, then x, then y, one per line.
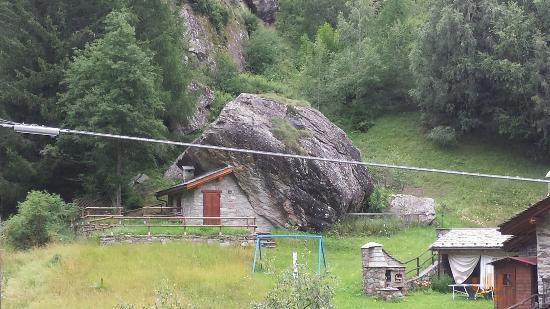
pixel 41 130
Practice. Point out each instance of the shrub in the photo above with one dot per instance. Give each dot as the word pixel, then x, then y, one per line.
pixel 379 199
pixel 263 50
pixel 443 136
pixel 220 99
pixel 217 14
pixel 251 22
pixel 42 217
pixel 307 291
pixel 441 284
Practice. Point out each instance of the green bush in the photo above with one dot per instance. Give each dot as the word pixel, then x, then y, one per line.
pixel 251 22
pixel 443 136
pixel 441 283
pixel 217 14
pixel 42 217
pixel 306 291
pixel 225 78
pixel 264 49
pixel 379 199
pixel 220 99
pixel 366 227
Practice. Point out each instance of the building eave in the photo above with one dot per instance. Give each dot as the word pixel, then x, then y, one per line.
pixel 196 182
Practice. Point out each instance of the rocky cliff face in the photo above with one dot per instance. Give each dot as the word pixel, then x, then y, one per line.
pixel 309 194
pixel 264 9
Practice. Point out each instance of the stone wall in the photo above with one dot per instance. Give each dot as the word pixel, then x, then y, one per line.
pixel 543 251
pixel 213 239
pixel 233 203
pixel 373 279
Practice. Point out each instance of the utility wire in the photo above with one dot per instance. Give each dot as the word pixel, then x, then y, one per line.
pixel 286 155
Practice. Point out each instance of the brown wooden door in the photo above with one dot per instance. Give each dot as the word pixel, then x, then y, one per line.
pixel 211 206
pixel 505 288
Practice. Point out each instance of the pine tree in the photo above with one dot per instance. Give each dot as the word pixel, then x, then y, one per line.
pixel 113 86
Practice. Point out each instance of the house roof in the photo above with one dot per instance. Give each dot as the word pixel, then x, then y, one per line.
pixel 470 238
pixel 197 181
pixel 523 225
pixel 526 219
pixel 530 260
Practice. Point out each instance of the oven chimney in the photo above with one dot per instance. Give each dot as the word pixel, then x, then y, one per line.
pixel 187 173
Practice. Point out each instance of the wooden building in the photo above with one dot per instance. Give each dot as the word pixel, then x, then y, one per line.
pixel 515 282
pixel 214 194
pixel 530 230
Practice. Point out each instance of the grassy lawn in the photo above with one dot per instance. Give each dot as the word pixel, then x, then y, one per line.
pixel 461 200
pixel 209 276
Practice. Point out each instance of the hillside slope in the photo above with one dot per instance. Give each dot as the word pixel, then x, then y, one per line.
pixel 461 200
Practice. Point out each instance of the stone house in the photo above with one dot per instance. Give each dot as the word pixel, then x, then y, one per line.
pixel 530 230
pixel 214 194
pixel 466 254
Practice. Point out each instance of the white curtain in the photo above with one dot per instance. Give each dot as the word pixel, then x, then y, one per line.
pixel 486 271
pixel 462 266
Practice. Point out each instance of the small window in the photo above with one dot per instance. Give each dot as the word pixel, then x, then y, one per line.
pixel 506 280
pixel 398 278
pixel 388 275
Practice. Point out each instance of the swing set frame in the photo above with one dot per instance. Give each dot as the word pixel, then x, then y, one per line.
pixel 320 248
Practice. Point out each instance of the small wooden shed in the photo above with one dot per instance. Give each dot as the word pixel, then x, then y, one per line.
pixel 515 281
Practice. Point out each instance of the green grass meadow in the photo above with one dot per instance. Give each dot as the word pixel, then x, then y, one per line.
pixel 461 200
pixel 87 275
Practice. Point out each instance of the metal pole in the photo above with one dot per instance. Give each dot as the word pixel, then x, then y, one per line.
pixel 295 265
pixel 319 256
pixel 255 254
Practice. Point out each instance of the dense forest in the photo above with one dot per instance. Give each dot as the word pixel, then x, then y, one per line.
pixel 123 66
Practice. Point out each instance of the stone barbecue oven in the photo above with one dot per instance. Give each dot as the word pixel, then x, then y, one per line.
pixel 383 275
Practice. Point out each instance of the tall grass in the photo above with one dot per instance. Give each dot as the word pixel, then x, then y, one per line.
pixel 89 276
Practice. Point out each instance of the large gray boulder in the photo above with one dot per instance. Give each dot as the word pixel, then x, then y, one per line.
pixel 286 191
pixel 413 209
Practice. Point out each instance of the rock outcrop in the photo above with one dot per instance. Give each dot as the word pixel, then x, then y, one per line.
pixel 264 9
pixel 412 208
pixel 285 191
pixel 204 41
pixel 199 119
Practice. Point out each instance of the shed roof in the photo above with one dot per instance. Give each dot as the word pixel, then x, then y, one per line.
pixel 197 181
pixel 530 260
pixel 470 238
pixel 378 257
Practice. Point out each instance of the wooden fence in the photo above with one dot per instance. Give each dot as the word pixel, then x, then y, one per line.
pixel 420 262
pixel 406 218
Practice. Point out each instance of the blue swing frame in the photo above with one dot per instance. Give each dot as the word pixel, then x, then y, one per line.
pixel 320 248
